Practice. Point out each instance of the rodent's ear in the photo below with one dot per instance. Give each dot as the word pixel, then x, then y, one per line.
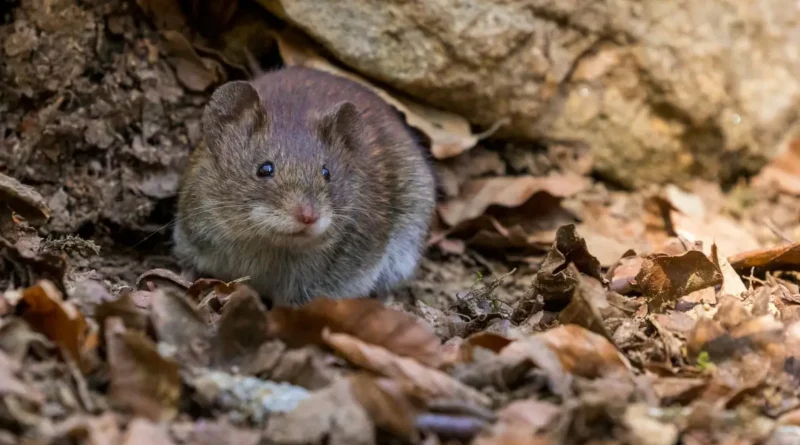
pixel 341 123
pixel 234 112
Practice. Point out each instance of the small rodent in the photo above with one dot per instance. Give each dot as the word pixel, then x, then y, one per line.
pixel 308 183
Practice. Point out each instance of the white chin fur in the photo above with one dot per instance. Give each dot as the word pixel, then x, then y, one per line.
pixel 271 222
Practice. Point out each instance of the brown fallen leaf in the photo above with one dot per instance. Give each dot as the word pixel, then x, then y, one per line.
pixel 783 171
pixel 732 283
pixel 45 310
pixel 534 350
pixel 519 422
pixel 331 415
pixel 165 14
pixel 621 276
pixel 449 133
pixel 12 386
pixel 143 432
pixel 140 378
pixel 584 308
pixel 194 72
pixel 24 200
pixel 26 267
pixel 477 196
pixel 425 381
pixel 389 404
pixel 92 430
pixel 664 279
pixel 774 258
pixel 242 332
pixel 176 322
pixel 583 352
pixel 161 278
pixel 126 309
pixel 487 340
pixel 367 319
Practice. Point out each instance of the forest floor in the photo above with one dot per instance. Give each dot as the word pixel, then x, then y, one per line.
pixel 550 308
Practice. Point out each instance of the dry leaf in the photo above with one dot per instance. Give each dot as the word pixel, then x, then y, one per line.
pixel 58 320
pixel 449 133
pixel 622 276
pixel 534 350
pixel 242 331
pixel 583 352
pixel 584 308
pixel 774 258
pixel 194 72
pixel 487 340
pixel 177 323
pixel 331 415
pixel 140 378
pixel 165 14
pixel 23 200
pixel 366 319
pixel 519 422
pixel 783 171
pixel 126 309
pixel 427 382
pixel 664 278
pixel 388 403
pixel 478 195
pixel 143 432
pixel 731 281
pixel 11 385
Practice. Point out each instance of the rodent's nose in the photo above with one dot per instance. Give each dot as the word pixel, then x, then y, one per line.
pixel 306 214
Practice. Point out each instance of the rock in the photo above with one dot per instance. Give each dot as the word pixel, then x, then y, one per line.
pixel 660 91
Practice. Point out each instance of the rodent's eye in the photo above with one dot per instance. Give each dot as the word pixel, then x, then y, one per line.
pixel 266 170
pixel 325 173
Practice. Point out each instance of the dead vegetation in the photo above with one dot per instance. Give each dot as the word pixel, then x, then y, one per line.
pixel 551 308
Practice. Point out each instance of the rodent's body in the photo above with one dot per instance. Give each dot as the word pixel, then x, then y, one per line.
pixel 363 224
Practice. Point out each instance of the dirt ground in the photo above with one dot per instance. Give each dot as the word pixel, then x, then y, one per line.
pixel 551 307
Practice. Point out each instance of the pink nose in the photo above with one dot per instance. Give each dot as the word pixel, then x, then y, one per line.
pixel 306 214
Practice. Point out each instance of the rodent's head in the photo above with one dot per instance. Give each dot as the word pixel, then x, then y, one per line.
pixel 282 172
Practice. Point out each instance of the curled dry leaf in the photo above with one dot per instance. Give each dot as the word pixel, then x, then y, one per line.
pixel 665 278
pixel 449 133
pixel 176 322
pixel 366 319
pixel 193 71
pixel 241 333
pixel 487 340
pixel 621 276
pixel 46 312
pixel 161 278
pixel 731 281
pixel 23 200
pixel 389 404
pixel 783 170
pixel 11 385
pixel 477 196
pixel 584 308
pixel 575 251
pixel 140 378
pixel 144 432
pixel 583 352
pixel 535 351
pixel 519 422
pixel 774 258
pixel 425 381
pixel 331 415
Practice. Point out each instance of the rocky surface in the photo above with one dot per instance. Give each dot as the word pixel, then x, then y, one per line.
pixel 661 91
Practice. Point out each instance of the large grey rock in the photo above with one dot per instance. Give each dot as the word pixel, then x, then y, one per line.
pixel 660 89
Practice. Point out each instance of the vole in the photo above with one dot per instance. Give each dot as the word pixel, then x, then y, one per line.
pixel 308 183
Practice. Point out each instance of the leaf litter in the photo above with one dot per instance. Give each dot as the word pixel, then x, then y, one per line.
pixel 579 315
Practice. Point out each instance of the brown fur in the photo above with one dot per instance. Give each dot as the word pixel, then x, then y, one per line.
pixel 380 196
